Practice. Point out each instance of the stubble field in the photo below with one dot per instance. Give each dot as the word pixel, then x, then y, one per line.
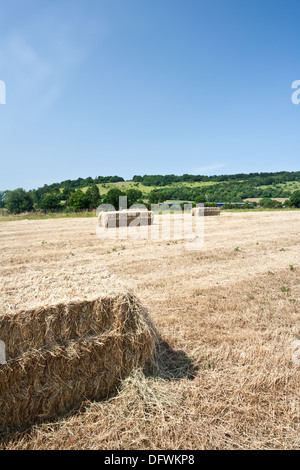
pixel 228 315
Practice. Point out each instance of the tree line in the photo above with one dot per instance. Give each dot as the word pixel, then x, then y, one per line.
pixel 219 192
pixel 254 179
pixel 75 200
pixel 66 200
pixel 68 195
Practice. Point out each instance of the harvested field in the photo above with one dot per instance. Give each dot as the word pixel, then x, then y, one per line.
pixel 228 316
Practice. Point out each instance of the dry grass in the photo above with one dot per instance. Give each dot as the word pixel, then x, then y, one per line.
pixel 227 316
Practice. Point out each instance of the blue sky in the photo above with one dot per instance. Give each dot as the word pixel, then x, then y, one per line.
pixel 124 87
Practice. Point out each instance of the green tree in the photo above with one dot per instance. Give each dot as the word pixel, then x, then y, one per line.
pixel 137 178
pixel 93 195
pixel 269 203
pixel 295 199
pixel 66 192
pixel 133 195
pixel 200 198
pixel 78 201
pixel 112 197
pixel 51 202
pixel 157 196
pixel 18 201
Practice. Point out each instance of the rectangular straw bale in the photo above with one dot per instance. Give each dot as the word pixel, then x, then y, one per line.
pixel 99 344
pixel 125 218
pixel 56 324
pixel 206 211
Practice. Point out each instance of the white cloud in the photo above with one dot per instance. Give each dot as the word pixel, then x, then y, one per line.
pixel 210 169
pixel 38 60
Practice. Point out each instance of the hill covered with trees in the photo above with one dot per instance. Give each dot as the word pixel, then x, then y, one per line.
pixel 88 193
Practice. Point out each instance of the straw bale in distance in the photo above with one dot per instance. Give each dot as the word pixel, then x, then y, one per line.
pixel 125 218
pixel 206 211
pixel 61 355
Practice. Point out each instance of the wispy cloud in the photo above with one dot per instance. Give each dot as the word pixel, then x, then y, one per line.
pixel 209 169
pixel 38 59
pixel 34 77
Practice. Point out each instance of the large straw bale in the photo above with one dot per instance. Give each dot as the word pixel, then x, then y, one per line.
pixel 206 211
pixel 61 355
pixel 125 218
